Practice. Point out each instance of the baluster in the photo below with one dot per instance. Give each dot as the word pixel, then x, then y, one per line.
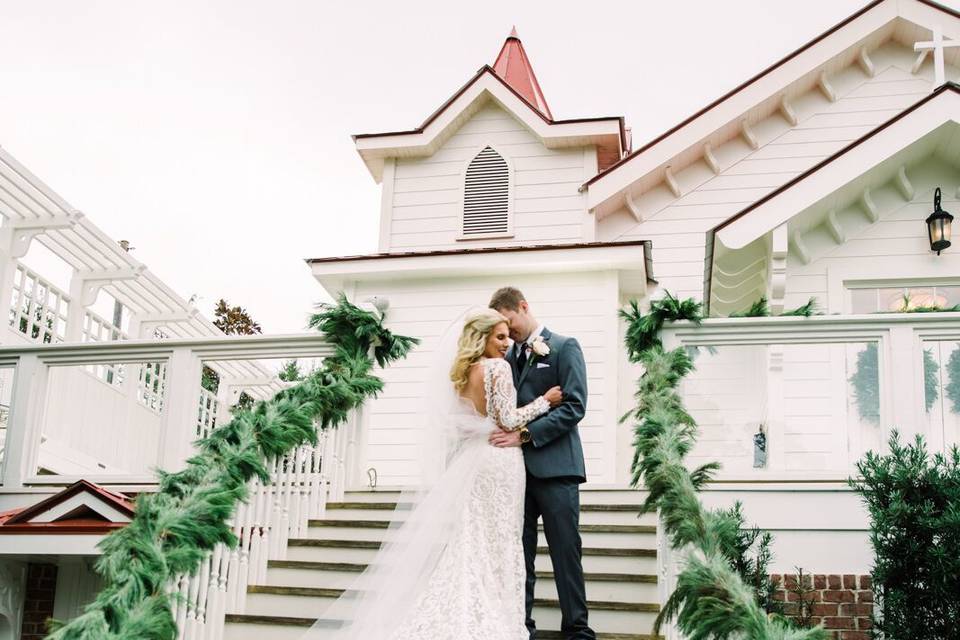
pixel 237 563
pixel 213 619
pixel 202 600
pixel 182 599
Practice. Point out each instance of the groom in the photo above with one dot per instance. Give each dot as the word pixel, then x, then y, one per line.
pixel 552 453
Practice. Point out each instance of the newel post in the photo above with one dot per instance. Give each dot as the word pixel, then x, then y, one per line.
pixel 181 409
pixel 23 424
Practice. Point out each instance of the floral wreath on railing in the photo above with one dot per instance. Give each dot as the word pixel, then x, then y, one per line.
pixel 174 529
pixel 711 599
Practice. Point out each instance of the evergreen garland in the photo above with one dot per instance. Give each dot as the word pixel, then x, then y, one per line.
pixel 760 309
pixel 711 600
pixel 175 528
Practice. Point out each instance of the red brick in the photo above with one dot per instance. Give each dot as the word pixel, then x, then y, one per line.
pixel 838 623
pixel 854 610
pixel 790 581
pixel 838 596
pixel 866 582
pixel 821 609
pixel 834 582
pixel 849 581
pixel 820 581
pixel 864 623
pixel 865 596
pixel 855 635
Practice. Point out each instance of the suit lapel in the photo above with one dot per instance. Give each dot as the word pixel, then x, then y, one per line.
pixel 546 335
pixel 512 360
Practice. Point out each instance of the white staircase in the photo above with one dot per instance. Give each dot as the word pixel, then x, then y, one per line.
pixel 619 561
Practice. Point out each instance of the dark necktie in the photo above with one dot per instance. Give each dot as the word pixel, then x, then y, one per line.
pixel 522 357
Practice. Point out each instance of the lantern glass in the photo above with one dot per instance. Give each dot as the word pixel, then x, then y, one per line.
pixel 939 225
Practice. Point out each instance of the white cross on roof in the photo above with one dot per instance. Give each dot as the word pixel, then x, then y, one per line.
pixel 937 45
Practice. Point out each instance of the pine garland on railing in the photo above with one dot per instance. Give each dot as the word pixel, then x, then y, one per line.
pixel 710 599
pixel 175 528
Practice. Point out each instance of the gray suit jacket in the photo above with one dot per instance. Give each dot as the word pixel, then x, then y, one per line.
pixel 555 449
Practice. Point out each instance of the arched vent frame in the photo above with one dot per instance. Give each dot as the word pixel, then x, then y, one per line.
pixel 486 196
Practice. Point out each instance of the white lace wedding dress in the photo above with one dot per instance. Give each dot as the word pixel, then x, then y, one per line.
pixel 454 569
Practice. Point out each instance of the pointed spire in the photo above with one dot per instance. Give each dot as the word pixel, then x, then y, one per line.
pixel 513 66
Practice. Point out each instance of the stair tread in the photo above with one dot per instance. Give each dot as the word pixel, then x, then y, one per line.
pixel 239 618
pixel 584 528
pixel 383 506
pixel 374 544
pixel 355 567
pixel 320 592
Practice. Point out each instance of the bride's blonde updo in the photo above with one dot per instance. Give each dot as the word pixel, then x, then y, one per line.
pixel 472 343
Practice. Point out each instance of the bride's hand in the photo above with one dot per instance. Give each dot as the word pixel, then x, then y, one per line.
pixel 554 396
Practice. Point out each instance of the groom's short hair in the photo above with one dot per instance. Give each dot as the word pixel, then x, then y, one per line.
pixel 507 298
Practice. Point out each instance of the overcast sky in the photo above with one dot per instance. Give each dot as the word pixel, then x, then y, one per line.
pixel 215 135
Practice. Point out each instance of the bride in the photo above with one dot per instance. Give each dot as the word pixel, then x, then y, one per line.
pixel 451 566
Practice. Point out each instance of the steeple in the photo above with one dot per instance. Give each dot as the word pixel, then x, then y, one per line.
pixel 513 66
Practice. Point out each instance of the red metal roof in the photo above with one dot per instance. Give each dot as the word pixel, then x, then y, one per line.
pixel 81 521
pixel 514 67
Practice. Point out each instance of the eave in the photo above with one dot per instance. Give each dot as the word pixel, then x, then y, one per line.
pixel 749 99
pixel 782 204
pixel 812 199
pixel 632 259
pixel 486 85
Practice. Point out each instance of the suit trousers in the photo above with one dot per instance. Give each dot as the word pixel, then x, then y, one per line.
pixel 557 501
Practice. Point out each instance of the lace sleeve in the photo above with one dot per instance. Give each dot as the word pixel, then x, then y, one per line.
pixel 502 398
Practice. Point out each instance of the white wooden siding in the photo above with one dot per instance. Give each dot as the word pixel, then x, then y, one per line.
pixel 427 193
pixel 581 305
pixel 824 127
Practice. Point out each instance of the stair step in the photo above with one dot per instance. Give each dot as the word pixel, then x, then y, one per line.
pixel 588 495
pixel 642 561
pixel 374 545
pixel 584 528
pixel 254 627
pixel 390 506
pixel 625 587
pixel 593 535
pixel 624 514
pixel 605 616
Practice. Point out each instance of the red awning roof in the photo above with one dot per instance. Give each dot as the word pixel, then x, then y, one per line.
pixel 514 67
pixel 82 519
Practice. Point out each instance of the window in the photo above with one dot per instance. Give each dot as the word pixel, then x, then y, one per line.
pixel 875 299
pixel 486 196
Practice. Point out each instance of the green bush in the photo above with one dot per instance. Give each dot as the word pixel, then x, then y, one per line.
pixel 914 504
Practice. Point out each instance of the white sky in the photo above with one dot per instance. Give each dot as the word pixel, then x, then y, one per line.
pixel 215 135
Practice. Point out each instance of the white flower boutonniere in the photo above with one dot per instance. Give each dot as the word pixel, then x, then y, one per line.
pixel 540 346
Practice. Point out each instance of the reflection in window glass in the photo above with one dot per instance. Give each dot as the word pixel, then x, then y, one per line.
pixel 898 299
pixel 941 368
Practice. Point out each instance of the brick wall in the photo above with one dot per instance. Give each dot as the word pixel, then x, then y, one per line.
pixel 842 604
pixel 38 600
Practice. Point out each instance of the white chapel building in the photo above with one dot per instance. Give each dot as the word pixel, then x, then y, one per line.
pixel 813 179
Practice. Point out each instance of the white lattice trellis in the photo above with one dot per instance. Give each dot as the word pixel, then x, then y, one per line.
pixel 38 310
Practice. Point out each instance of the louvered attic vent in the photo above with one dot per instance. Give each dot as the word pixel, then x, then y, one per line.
pixel 486 195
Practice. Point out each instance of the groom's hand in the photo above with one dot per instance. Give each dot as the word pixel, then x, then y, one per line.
pixel 501 438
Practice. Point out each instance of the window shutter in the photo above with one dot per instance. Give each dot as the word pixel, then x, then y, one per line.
pixel 486 195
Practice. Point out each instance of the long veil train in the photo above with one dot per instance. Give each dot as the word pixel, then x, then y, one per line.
pixel 375 604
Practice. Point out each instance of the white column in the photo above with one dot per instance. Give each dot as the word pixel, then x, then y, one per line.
pixel 181 405
pixel 901 377
pixel 24 422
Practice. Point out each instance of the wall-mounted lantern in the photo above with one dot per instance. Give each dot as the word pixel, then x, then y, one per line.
pixel 938 225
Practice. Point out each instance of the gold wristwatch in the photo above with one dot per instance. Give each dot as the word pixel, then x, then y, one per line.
pixel 524 435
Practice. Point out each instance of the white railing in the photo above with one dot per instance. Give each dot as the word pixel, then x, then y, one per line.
pixel 825 389
pixel 300 484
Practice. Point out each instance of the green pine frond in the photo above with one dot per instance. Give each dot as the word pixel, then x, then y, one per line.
pixel 806 310
pixel 758 309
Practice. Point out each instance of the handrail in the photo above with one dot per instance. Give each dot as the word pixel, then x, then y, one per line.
pixel 304 345
pixel 795 329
